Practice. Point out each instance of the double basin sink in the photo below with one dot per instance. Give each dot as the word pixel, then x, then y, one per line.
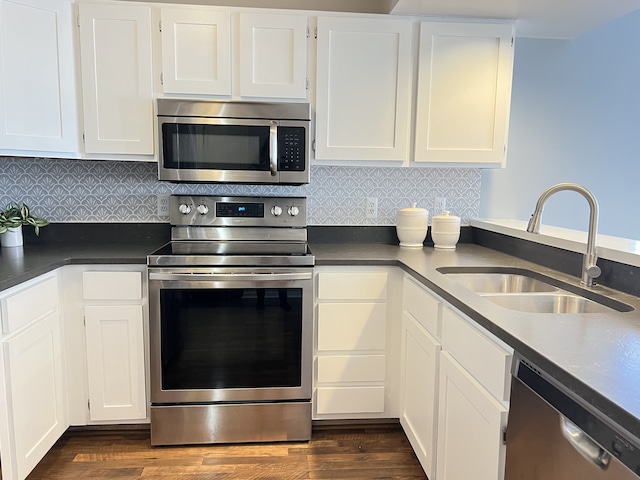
pixel 528 291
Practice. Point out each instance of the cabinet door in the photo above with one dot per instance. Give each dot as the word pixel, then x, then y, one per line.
pixel 273 55
pixel 470 424
pixel 363 88
pixel 420 358
pixel 35 386
pixel 117 83
pixel 37 82
pixel 196 51
pixel 115 362
pixel 464 92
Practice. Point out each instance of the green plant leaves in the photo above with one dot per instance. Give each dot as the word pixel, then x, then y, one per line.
pixel 15 215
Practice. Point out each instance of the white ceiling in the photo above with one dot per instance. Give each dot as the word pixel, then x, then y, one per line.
pixel 534 18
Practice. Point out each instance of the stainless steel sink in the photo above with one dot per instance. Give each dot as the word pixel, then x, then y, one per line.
pixel 501 283
pixel 549 303
pixel 530 291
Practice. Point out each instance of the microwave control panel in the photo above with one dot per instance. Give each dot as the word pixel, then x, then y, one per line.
pixel 291 148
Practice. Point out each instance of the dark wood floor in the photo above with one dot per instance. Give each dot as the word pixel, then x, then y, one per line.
pixel 354 453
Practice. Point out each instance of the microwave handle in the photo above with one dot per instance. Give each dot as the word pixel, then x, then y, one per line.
pixel 273 148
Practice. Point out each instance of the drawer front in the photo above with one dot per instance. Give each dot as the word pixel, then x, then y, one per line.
pixel 351 368
pixel 351 326
pixel 352 286
pixel 112 285
pixel 422 306
pixel 349 400
pixel 484 359
pixel 29 304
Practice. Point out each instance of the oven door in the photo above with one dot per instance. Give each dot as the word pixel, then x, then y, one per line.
pixel 227 150
pixel 230 334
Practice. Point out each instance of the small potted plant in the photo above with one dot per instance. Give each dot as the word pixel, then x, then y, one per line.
pixel 12 218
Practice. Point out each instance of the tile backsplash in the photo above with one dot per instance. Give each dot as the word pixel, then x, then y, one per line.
pixel 108 191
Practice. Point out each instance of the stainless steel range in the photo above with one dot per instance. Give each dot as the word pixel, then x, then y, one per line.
pixel 230 304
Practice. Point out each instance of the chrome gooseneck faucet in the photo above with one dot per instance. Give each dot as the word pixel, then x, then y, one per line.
pixel 589 268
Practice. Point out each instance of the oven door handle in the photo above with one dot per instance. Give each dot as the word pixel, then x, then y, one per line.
pixel 273 148
pixel 213 277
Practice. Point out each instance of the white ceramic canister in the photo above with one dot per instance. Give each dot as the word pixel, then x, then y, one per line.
pixel 445 231
pixel 411 226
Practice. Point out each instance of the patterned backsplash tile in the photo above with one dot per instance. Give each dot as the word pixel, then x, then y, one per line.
pixel 106 191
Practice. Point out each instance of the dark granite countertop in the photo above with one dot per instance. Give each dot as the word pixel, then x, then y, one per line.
pixel 19 264
pixel 597 355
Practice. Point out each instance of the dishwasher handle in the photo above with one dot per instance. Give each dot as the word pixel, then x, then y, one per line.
pixel 584 444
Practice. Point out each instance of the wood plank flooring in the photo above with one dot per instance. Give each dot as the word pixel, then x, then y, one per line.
pixel 371 453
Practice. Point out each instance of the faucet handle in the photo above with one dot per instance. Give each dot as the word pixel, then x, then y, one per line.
pixel 593 271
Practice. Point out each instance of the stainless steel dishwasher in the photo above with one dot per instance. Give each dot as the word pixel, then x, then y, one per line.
pixel 555 435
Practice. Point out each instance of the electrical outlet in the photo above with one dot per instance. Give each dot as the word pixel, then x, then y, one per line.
pixel 163 205
pixel 371 210
pixel 439 206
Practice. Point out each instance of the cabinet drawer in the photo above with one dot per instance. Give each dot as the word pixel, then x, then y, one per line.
pixel 112 285
pixel 485 360
pixel 352 286
pixel 351 368
pixel 422 306
pixel 351 326
pixel 29 304
pixel 336 400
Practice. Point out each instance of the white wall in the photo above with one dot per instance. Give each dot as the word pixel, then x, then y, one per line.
pixel 575 117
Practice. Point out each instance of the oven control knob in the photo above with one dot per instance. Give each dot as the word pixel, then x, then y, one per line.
pixel 184 209
pixel 202 209
pixel 276 210
pixel 293 211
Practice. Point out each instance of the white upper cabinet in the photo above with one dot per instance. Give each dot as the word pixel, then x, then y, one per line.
pixel 364 70
pixel 464 93
pixel 117 79
pixel 273 55
pixel 196 51
pixel 37 80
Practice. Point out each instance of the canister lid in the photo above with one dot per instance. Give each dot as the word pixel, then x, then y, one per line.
pixel 413 211
pixel 446 218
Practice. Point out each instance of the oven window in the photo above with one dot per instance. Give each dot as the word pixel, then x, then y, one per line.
pixel 231 338
pixel 216 147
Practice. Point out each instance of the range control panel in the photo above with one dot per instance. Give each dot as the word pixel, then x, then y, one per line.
pixel 205 210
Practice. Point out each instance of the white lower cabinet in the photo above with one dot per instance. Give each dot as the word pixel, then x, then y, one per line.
pixel 420 357
pixel 115 362
pixel 470 427
pixel 355 360
pixel 33 411
pixel 420 360
pixel 106 329
pixel 454 394
pixel 473 401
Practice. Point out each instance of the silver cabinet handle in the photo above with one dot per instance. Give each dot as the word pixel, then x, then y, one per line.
pixel 584 444
pixel 273 148
pixel 217 277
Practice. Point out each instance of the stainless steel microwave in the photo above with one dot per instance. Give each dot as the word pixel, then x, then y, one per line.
pixel 224 141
